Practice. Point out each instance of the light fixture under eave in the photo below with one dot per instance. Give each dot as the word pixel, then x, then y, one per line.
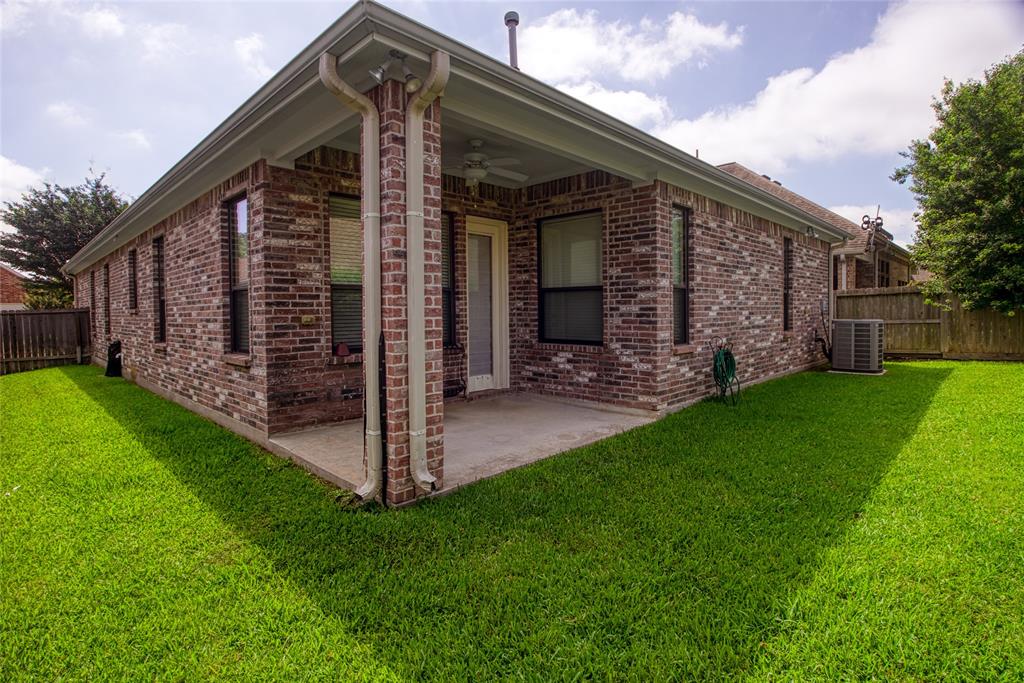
pixel 412 81
pixel 811 232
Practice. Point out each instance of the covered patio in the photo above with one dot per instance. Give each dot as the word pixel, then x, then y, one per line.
pixel 483 437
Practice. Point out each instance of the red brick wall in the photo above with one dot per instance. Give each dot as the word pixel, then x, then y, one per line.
pixel 736 281
pixel 11 289
pixel 736 272
pixel 192 363
pixel 621 370
pixel 307 385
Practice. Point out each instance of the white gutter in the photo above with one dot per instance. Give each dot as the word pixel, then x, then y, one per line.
pixel 433 86
pixel 370 180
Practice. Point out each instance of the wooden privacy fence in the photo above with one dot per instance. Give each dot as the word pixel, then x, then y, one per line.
pixel 41 339
pixel 914 328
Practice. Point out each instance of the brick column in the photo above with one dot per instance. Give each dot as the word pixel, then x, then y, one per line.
pixel 391 100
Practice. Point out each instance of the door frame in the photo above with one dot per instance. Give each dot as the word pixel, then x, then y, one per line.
pixel 498 232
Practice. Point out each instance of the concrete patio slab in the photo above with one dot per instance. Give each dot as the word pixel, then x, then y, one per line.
pixel 483 437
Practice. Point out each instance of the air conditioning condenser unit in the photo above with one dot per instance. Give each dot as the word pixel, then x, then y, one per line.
pixel 858 345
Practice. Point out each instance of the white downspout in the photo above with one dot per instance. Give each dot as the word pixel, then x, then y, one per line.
pixel 370 173
pixel 433 86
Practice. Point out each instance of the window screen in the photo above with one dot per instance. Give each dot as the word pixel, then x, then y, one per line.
pixel 133 280
pixel 680 275
pixel 346 241
pixel 159 300
pixel 238 230
pixel 106 299
pixel 787 283
pixel 571 298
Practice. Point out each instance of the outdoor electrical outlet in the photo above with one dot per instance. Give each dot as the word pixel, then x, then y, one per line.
pixel 307 320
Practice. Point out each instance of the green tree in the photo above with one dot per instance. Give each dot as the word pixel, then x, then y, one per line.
pixel 50 225
pixel 968 178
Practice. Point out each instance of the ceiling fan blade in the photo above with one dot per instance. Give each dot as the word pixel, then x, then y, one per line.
pixel 503 161
pixel 452 170
pixel 505 173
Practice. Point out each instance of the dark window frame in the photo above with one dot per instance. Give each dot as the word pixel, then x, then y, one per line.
pixel 448 293
pixel 236 342
pixel 106 300
pixel 92 299
pixel 541 289
pixel 787 283
pixel 159 291
pixel 682 291
pixel 884 273
pixel 133 280
pixel 345 287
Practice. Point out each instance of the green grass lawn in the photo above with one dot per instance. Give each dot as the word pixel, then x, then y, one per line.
pixel 829 527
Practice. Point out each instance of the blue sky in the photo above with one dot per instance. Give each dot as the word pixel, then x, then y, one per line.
pixel 821 96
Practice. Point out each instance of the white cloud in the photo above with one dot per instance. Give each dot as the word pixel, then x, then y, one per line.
pixel 135 137
pixel 632 106
pixel 67 114
pixel 15 179
pixel 165 42
pixel 100 23
pixel 14 16
pixel 899 222
pixel 573 46
pixel 874 99
pixel 249 51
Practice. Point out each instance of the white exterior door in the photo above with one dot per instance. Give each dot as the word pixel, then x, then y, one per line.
pixel 487 295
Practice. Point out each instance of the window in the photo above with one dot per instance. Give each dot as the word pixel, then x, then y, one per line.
pixel 571 299
pixel 787 283
pixel 883 273
pixel 346 273
pixel 106 299
pixel 92 299
pixel 447 279
pixel 159 294
pixel 133 280
pixel 238 245
pixel 680 275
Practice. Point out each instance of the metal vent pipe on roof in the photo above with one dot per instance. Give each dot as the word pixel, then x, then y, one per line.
pixel 512 20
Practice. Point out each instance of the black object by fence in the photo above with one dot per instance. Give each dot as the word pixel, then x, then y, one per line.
pixel 43 339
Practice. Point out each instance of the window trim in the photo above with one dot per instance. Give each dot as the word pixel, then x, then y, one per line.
pixel 787 284
pixel 541 289
pixel 133 280
pixel 685 266
pixel 229 204
pixel 448 326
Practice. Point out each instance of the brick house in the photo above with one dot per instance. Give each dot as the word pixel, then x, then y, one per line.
pixel 865 260
pixel 12 289
pixel 454 230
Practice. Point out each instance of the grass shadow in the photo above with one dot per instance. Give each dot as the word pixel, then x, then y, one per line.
pixel 668 551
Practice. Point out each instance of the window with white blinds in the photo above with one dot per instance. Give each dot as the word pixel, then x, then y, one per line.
pixel 571 296
pixel 346 244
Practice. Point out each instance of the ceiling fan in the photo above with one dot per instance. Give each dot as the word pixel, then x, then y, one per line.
pixel 476 166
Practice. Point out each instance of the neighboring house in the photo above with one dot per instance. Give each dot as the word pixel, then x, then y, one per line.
pixel 12 289
pixel 244 285
pixel 864 261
